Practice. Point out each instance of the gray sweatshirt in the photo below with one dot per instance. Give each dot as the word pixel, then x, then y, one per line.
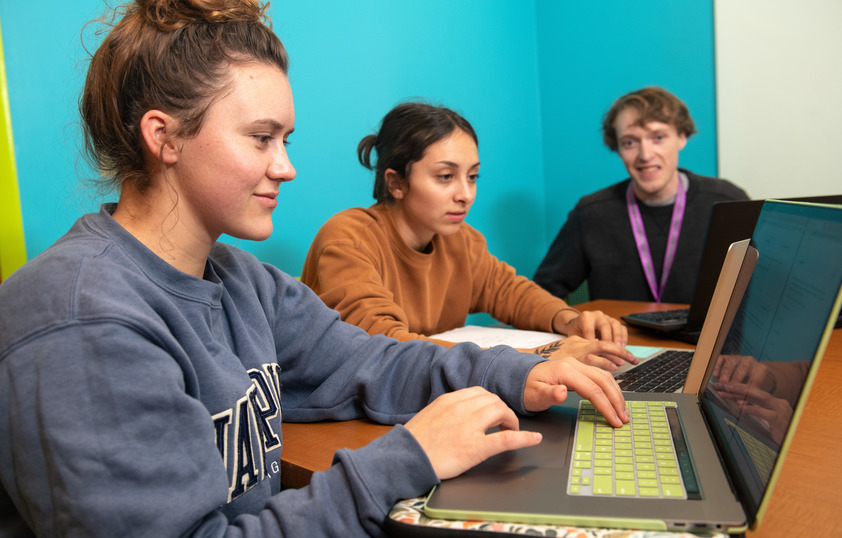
pixel 138 400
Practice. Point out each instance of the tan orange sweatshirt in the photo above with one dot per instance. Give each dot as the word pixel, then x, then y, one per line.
pixel 359 265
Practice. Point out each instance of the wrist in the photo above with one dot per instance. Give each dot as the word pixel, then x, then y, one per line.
pixel 563 318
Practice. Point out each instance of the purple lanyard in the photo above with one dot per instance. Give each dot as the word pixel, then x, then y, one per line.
pixel 643 244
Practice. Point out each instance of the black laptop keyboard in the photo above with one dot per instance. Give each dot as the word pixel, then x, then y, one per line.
pixel 663 373
pixel 665 316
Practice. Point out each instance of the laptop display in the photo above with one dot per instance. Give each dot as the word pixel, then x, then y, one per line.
pixel 727 442
pixel 771 344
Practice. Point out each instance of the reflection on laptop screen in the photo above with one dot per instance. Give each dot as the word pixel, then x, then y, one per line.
pixel 760 373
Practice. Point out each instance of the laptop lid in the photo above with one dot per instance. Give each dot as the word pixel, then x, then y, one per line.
pixel 758 384
pixel 731 285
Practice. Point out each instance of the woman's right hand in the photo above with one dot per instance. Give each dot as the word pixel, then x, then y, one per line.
pixel 452 430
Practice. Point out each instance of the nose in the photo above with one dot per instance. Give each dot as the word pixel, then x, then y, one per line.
pixel 466 191
pixel 644 150
pixel 281 169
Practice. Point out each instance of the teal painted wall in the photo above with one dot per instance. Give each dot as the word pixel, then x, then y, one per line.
pixel 533 77
pixel 591 53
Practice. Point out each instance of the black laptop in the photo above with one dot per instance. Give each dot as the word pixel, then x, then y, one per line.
pixel 729 222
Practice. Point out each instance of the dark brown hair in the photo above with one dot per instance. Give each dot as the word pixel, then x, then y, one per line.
pixel 405 134
pixel 653 104
pixel 169 55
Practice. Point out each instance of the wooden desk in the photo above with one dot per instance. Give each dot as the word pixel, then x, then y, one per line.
pixel 805 502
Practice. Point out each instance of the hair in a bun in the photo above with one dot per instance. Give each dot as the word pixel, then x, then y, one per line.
pixel 172 14
pixel 169 55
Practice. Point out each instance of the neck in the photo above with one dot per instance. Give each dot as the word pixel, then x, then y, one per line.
pixel 406 232
pixel 156 224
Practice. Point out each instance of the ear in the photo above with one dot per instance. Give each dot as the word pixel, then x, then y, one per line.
pixel 157 128
pixel 395 184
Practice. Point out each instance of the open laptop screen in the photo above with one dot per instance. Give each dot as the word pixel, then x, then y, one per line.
pixel 776 333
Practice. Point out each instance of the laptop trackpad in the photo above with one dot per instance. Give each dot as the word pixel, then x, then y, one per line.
pixel 520 473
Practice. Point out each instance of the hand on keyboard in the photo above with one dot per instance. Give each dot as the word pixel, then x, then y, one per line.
pixel 605 355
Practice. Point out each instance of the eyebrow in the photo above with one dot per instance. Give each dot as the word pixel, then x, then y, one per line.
pixel 272 124
pixel 455 165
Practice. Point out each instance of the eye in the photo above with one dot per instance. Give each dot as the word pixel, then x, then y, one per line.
pixel 444 178
pixel 473 178
pixel 263 139
pixel 627 144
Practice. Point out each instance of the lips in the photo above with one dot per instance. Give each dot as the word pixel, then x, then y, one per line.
pixel 269 200
pixel 457 217
pixel 648 172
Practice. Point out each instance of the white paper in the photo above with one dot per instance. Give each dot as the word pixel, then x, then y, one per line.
pixel 495 336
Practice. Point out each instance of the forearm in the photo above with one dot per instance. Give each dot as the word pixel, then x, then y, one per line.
pixel 389 381
pixel 525 305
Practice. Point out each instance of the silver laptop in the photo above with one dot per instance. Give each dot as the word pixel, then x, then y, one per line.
pixel 692 462
pixel 675 369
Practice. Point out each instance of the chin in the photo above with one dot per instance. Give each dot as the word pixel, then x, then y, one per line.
pixel 253 235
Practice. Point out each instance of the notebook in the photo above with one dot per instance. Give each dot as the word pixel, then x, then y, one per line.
pixel 729 222
pixel 725 456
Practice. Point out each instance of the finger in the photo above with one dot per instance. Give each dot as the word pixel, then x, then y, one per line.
pixel 741 371
pixel 617 403
pixel 726 369
pixel 546 395
pixel 738 390
pixel 504 440
pixel 605 328
pixel 759 397
pixel 586 325
pixel 615 415
pixel 604 393
pixel 606 363
pixel 621 333
pixel 497 413
pixel 593 321
pixel 617 354
pixel 611 390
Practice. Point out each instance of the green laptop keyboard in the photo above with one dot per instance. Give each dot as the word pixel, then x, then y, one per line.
pixel 635 461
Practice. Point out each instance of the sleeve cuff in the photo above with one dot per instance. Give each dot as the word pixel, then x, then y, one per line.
pixel 390 468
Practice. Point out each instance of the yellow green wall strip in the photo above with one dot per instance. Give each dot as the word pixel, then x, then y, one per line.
pixel 12 246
